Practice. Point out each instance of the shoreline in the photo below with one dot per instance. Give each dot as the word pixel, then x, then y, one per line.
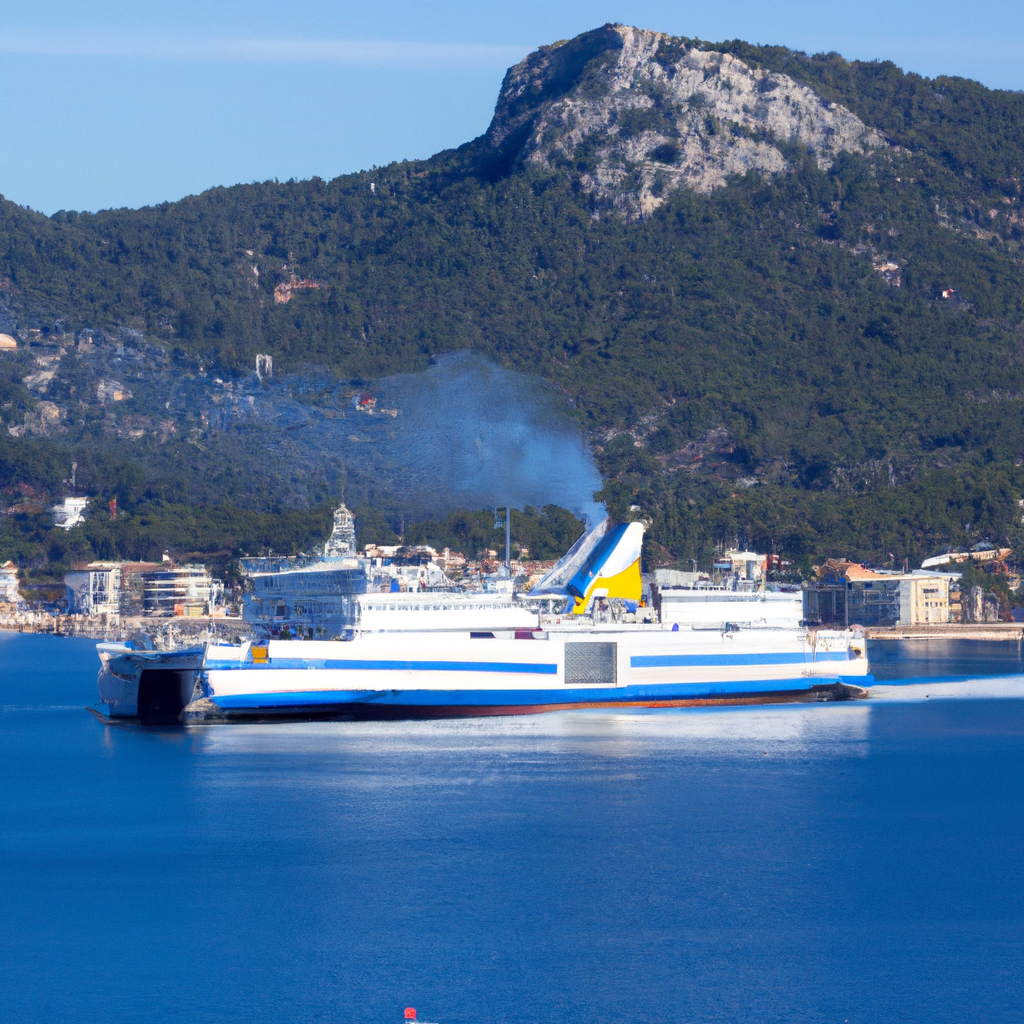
pixel 991 631
pixel 176 628
pixel 64 626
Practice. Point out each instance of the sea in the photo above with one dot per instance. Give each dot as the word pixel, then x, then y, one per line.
pixel 849 862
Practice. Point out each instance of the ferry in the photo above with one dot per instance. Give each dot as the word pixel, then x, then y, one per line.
pixel 579 639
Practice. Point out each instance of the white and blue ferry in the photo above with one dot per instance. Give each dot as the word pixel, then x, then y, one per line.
pixel 578 640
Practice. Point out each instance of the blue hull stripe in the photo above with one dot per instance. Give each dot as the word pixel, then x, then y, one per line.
pixel 525 667
pixel 690 660
pixel 637 661
pixel 523 698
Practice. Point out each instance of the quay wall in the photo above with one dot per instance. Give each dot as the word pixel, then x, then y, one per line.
pixel 1003 631
pixel 99 627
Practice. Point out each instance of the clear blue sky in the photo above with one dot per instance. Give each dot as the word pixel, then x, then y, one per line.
pixel 117 103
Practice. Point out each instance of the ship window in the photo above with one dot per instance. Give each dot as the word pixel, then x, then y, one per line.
pixel 589 663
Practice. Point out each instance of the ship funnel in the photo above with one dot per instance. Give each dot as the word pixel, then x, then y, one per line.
pixel 613 568
pixel 604 562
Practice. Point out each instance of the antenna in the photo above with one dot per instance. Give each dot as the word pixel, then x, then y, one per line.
pixel 499 522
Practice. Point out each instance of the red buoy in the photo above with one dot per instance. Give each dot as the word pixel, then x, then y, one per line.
pixel 410 1013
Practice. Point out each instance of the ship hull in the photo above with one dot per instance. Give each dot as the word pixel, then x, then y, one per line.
pixel 361 705
pixel 442 675
pixel 388 676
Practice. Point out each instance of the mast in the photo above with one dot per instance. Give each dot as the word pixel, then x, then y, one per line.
pixel 508 539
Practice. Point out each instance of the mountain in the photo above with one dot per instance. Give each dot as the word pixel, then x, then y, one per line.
pixel 783 293
pixel 639 115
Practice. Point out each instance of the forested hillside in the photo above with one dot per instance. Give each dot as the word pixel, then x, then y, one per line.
pixel 824 354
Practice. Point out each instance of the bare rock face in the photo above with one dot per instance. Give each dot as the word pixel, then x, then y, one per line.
pixel 42 422
pixel 639 114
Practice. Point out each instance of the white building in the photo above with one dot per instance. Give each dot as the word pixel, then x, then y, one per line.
pixel 746 565
pixel 9 593
pixel 94 590
pixel 69 513
pixel 184 590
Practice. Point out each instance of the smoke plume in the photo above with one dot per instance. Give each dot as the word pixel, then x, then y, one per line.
pixel 471 434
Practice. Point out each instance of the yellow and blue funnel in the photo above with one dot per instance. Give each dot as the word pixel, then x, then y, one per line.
pixel 612 569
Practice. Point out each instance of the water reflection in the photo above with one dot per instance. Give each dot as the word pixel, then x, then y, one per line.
pixel 840 729
pixel 949 659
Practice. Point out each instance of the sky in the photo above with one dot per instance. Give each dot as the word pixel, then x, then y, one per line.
pixel 110 103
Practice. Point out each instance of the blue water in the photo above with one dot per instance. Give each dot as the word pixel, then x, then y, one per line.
pixel 855 862
pixel 895 660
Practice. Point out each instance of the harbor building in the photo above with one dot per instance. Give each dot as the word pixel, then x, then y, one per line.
pixel 181 590
pixel 9 592
pixel 924 598
pixel 94 590
pixel 133 586
pixel 132 589
pixel 847 593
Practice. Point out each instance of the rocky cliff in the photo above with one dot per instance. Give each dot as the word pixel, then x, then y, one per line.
pixel 640 114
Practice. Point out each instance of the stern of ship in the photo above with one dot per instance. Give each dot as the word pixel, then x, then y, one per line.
pixel 153 686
